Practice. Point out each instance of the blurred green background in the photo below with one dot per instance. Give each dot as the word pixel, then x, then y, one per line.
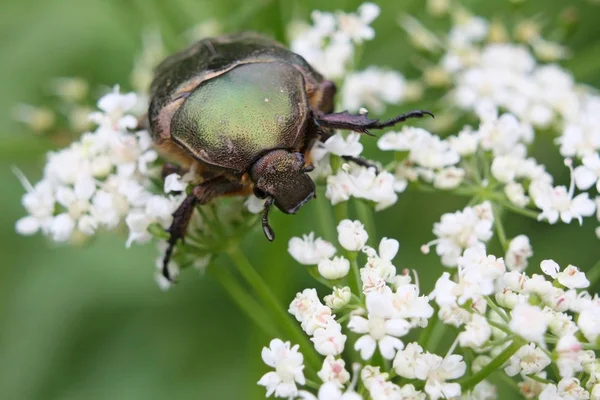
pixel 89 322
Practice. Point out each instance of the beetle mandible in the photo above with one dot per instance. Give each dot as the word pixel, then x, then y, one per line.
pixel 245 112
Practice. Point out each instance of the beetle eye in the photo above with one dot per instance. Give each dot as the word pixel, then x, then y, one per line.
pixel 259 193
pixel 300 157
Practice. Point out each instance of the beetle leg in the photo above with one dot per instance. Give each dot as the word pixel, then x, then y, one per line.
pixel 265 220
pixel 363 162
pixel 361 122
pixel 201 194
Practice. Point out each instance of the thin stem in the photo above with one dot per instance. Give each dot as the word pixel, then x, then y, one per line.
pixel 426 333
pixel 497 309
pixel 523 211
pixel 247 304
pixel 354 278
pixel 499 227
pixel 365 215
pixel 269 300
pixel 502 327
pixel 326 219
pixel 438 332
pixel 470 382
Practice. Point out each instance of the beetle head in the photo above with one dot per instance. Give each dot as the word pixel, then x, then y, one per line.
pixel 282 176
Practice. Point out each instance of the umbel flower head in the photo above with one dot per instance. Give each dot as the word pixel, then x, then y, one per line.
pixel 366 330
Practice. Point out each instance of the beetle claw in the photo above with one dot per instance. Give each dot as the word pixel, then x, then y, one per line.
pixel 269 233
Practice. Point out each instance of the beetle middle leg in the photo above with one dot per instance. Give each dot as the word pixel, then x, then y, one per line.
pixel 361 122
pixel 201 194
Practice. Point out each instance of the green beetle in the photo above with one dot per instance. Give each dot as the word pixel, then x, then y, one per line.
pixel 246 112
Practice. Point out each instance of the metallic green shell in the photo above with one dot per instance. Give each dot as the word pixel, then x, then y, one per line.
pixel 231 120
pixel 202 131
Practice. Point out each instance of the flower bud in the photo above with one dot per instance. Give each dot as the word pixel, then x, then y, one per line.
pixel 352 235
pixel 336 268
pixel 339 298
pixel 507 299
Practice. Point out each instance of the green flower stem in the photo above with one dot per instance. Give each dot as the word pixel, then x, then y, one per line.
pixel 326 221
pixel 523 211
pixel 499 227
pixel 247 304
pixel 494 365
pixel 426 333
pixel 341 211
pixel 365 215
pixel 354 278
pixel 279 314
pixel 436 335
pixel 497 309
pixel 593 274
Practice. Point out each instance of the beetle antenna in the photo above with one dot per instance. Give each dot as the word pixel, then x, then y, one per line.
pixel 265 220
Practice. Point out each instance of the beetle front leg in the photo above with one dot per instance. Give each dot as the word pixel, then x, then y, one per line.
pixel 201 194
pixel 361 122
pixel 363 162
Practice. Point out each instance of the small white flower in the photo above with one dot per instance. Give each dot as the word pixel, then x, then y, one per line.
pixel 515 192
pixel 254 204
pixel 444 291
pixel 448 178
pixel 461 230
pixel 529 322
pixel 352 235
pixel 476 332
pixel 338 298
pixel 304 304
pixel 380 329
pixel 528 360
pixel 436 370
pixel 589 322
pixel 329 341
pixel 573 278
pixel 570 356
pixel 560 202
pixel 329 391
pixel 62 227
pixel 588 174
pixel 340 146
pixel 518 253
pixel 568 388
pixel 308 250
pixel 333 370
pixel 173 183
pixel 372 88
pixel 356 26
pixel 405 362
pixel 288 364
pixel 335 268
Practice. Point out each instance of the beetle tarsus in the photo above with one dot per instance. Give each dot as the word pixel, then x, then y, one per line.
pixel 363 162
pixel 177 230
pixel 269 233
pixel 361 122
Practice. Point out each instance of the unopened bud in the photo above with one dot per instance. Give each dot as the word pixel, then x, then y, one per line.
pixel 339 298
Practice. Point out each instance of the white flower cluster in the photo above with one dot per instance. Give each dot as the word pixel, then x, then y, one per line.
pixel 392 307
pixel 454 162
pixel 499 75
pixel 99 181
pixel 538 311
pixel 329 45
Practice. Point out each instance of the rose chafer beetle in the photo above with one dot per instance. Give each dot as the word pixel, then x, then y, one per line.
pixel 246 111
